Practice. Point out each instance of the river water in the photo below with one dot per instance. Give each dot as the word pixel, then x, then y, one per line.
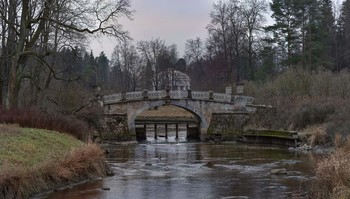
pixel 177 169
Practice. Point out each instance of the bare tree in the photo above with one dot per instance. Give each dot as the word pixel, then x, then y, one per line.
pixel 151 51
pixel 127 60
pixel 252 11
pixel 194 50
pixel 30 23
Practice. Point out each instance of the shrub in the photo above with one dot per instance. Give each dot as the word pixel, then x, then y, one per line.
pixel 312 111
pixel 33 118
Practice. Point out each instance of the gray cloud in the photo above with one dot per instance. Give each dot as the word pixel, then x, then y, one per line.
pixel 174 21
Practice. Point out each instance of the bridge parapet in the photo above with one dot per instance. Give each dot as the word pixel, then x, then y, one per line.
pixel 156 94
pixel 178 94
pixel 222 97
pixel 200 95
pixel 134 95
pixel 194 95
pixel 112 98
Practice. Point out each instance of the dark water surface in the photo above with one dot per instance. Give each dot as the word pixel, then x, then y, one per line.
pixel 160 169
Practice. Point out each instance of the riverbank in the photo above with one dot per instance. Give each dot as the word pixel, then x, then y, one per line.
pixel 37 160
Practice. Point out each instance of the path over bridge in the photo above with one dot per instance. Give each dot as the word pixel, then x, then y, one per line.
pixel 202 104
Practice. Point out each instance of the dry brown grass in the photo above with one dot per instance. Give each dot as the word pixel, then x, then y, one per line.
pixel 317 135
pixel 333 175
pixel 9 129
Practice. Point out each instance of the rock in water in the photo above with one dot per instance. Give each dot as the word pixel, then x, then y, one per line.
pixel 210 164
pixel 278 171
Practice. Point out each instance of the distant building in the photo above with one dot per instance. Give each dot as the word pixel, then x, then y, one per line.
pixel 173 80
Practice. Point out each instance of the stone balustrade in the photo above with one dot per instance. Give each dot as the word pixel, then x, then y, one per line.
pixel 166 94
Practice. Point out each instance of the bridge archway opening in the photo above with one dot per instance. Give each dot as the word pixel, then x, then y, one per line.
pixel 167 123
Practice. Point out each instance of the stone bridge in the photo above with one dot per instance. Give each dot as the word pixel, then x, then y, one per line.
pixel 201 104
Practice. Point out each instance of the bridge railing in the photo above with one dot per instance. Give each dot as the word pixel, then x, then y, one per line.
pixel 200 95
pixel 155 94
pixel 112 98
pixel 196 95
pixel 134 95
pixel 222 97
pixel 178 94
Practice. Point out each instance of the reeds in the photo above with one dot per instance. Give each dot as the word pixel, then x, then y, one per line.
pixel 333 174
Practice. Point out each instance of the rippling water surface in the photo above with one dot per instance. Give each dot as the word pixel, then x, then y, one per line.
pixel 181 170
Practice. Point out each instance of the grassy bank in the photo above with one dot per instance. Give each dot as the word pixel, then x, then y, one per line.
pixel 315 104
pixel 35 160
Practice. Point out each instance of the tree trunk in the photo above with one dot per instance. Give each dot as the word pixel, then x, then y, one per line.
pixel 13 85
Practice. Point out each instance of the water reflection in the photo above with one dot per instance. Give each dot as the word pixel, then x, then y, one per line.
pixel 182 170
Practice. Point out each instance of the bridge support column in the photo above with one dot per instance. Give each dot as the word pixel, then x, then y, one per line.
pixel 166 131
pixel 177 131
pixel 155 132
pixel 116 127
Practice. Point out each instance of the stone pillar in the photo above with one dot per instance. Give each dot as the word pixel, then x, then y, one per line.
pixel 167 96
pixel 141 134
pixel 177 131
pixel 123 96
pixel 166 131
pixel 211 95
pixel 145 94
pixel 239 88
pixel 155 132
pixel 189 94
pixel 193 132
pixel 115 127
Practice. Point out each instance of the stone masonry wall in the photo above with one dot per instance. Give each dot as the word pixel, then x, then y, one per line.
pixel 226 126
pixel 115 127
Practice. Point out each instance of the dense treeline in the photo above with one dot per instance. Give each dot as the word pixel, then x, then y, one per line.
pixel 44 61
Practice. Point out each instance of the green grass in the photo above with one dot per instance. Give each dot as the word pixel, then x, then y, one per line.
pixel 28 147
pixel 37 160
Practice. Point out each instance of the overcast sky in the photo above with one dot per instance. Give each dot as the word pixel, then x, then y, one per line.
pixel 174 21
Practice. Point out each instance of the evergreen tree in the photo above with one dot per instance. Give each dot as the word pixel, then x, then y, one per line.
pixel 90 70
pixel 344 36
pixel 328 33
pixel 102 70
pixel 287 28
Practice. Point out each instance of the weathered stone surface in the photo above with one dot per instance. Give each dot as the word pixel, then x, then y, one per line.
pixel 227 127
pixel 115 127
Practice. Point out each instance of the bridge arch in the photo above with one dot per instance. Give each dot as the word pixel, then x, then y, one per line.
pixel 121 109
pixel 202 119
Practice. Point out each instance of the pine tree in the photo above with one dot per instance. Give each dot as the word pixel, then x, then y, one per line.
pixel 287 28
pixel 102 70
pixel 328 33
pixel 344 36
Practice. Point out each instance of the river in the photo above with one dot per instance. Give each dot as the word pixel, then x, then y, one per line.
pixel 177 169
